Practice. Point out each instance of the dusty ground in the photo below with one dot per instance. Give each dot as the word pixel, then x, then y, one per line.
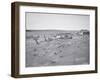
pixel 58 51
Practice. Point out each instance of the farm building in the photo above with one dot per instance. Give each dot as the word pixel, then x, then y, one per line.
pixel 64 35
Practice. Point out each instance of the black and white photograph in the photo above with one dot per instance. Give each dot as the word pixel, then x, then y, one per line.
pixel 53 39
pixel 57 39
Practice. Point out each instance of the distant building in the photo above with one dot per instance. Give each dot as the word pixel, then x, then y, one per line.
pixel 64 35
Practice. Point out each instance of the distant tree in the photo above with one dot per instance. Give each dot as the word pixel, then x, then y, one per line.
pixel 84 32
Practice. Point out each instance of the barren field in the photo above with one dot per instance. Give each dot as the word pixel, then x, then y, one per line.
pixel 55 47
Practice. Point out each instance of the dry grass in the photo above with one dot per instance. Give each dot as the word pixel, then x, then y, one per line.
pixel 65 51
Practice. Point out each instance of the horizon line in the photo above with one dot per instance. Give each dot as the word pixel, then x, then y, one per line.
pixel 58 29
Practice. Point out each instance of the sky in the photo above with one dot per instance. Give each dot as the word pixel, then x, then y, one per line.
pixel 47 21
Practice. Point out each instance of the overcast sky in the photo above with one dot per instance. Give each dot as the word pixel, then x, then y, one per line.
pixel 42 21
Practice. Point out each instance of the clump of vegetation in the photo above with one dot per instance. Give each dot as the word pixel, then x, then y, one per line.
pixel 35 38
